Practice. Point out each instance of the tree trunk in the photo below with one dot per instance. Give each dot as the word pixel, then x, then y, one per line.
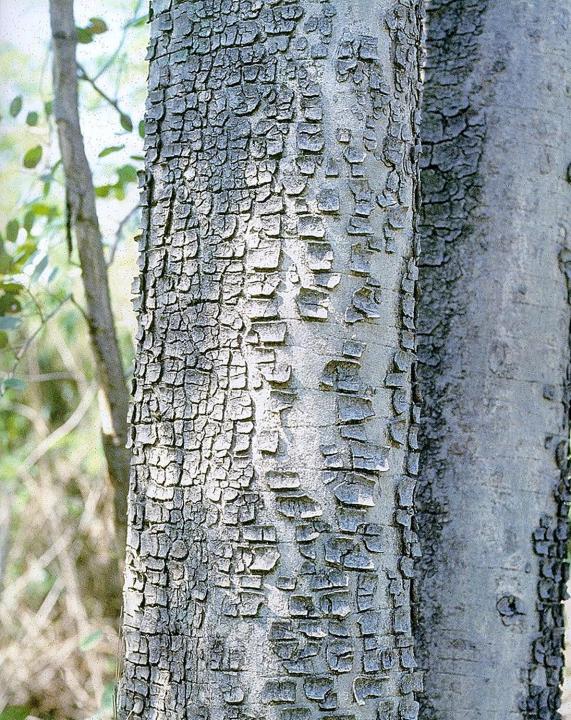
pixel 270 545
pixel 80 198
pixel 493 358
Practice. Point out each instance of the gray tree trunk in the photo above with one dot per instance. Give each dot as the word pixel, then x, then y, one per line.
pixel 493 357
pixel 270 547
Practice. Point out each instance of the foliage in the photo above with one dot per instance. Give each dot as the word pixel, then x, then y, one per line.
pixel 59 573
pixel 34 236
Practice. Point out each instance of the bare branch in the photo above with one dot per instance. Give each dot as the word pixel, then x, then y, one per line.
pixel 84 76
pixel 70 424
pixel 31 339
pixel 119 234
pixel 111 59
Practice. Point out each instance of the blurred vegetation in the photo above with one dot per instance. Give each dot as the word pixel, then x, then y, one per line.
pixel 59 576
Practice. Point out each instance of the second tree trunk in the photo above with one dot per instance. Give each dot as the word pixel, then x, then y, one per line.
pixel 494 354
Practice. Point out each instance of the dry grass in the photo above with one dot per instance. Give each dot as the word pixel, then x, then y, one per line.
pixel 61 587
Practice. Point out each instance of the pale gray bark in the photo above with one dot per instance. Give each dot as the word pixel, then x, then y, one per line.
pixel 80 196
pixel 493 357
pixel 270 546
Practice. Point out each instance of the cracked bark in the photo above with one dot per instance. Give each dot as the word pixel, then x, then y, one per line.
pixel 273 428
pixel 493 358
pixel 80 196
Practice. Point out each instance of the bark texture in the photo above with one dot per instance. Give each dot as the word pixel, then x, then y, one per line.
pixel 270 547
pixel 493 358
pixel 80 197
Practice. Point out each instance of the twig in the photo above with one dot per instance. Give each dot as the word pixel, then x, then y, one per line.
pixel 84 76
pixel 36 418
pixel 46 377
pixel 113 56
pixel 26 346
pixel 79 307
pixel 11 592
pixel 119 233
pixel 70 424
pixel 36 303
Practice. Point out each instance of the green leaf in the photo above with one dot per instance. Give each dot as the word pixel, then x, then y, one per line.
pixel 141 128
pixel 97 25
pixel 12 230
pixel 15 106
pixel 138 22
pixel 33 157
pixel 3 344
pixel 138 158
pixel 11 287
pixel 111 149
pixel 103 191
pixel 5 263
pixel 32 118
pixel 7 322
pixel 107 698
pixel 26 251
pixel 119 191
pixel 40 267
pixel 29 218
pixel 127 174
pixel 84 35
pixel 14 384
pixel 44 209
pixel 9 304
pixel 49 107
pixel 126 122
pixel 90 640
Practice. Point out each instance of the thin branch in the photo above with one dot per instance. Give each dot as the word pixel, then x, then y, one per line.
pixel 84 76
pixel 30 340
pixel 46 377
pixel 11 595
pixel 79 307
pixel 36 303
pixel 111 59
pixel 121 62
pixel 119 233
pixel 59 433
pixel 25 347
